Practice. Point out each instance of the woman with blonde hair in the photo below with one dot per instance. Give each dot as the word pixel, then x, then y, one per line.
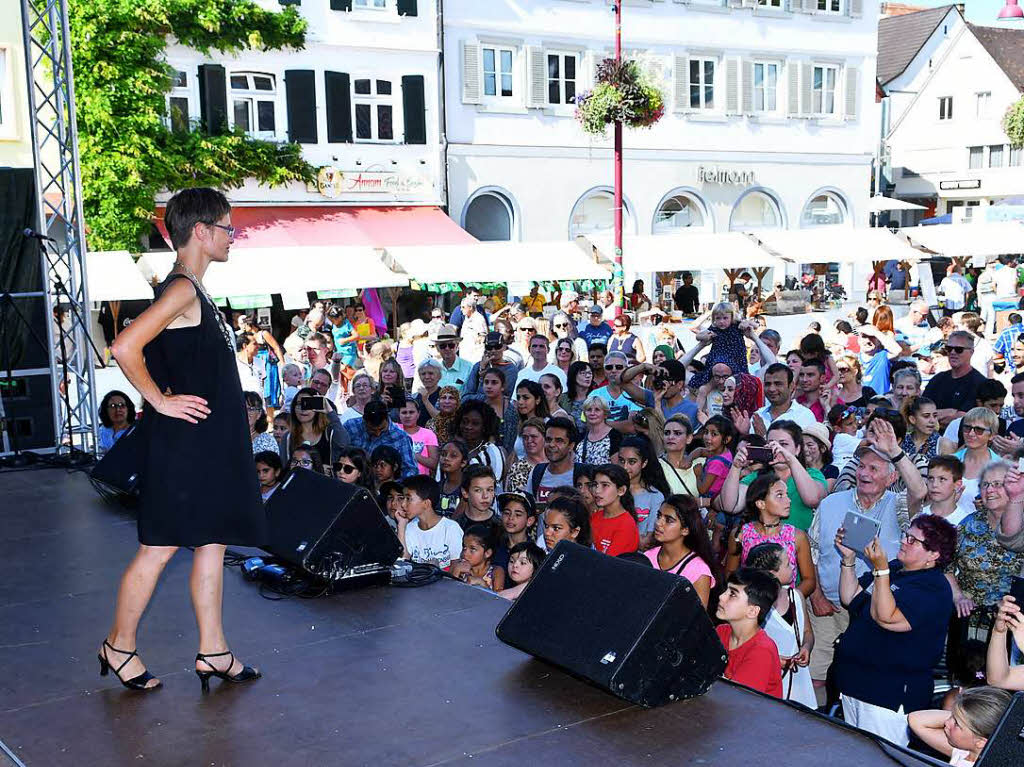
pixel 600 441
pixel 849 390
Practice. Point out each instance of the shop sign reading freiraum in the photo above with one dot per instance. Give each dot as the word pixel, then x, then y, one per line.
pixel 712 174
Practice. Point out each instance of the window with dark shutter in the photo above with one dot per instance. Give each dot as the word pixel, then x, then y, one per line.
pixel 300 94
pixel 341 5
pixel 339 107
pixel 414 109
pixel 213 98
pixel 406 7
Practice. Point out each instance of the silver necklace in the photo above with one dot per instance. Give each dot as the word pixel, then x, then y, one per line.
pixel 224 329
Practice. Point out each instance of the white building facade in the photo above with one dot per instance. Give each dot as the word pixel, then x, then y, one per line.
pixel 362 98
pixel 946 146
pixel 770 116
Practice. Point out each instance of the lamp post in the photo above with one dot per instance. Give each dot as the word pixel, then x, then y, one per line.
pixel 618 287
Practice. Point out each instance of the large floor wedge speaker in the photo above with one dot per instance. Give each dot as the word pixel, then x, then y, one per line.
pixel 332 530
pixel 1005 748
pixel 637 632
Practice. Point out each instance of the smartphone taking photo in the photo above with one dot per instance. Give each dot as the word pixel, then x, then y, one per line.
pixel 317 404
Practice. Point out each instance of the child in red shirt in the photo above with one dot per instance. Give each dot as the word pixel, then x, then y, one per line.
pixel 753 656
pixel 612 526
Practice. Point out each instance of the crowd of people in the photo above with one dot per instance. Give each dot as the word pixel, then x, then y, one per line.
pixel 493 433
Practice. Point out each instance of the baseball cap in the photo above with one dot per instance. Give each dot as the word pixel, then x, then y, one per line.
pixel 494 338
pixel 596 309
pixel 523 497
pixel 375 412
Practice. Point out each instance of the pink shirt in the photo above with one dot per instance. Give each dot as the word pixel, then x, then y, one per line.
pixel 421 440
pixel 718 466
pixel 693 570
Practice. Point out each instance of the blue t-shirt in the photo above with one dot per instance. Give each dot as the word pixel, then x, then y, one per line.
pixel 347 353
pixel 894 668
pixel 619 407
pixel 876 371
pixel 687 407
pixel 591 334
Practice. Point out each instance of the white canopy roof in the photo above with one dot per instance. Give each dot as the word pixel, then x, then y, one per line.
pixel 258 271
pixel 880 202
pixel 686 251
pixel 839 244
pixel 497 262
pixel 113 276
pixel 980 239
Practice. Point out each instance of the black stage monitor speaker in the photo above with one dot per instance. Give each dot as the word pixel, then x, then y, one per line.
pixel 1006 746
pixel 116 476
pixel 332 530
pixel 637 632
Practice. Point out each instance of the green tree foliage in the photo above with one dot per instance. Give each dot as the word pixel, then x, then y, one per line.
pixel 128 153
pixel 1013 123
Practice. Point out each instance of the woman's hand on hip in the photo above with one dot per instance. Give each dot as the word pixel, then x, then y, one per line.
pixel 187 407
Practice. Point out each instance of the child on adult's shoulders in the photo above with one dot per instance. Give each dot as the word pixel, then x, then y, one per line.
pixel 744 606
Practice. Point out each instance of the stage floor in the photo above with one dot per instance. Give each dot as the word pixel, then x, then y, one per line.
pixel 382 676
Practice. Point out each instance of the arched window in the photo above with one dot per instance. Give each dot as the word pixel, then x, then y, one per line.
pixel 825 209
pixel 595 214
pixel 680 211
pixel 489 217
pixel 755 210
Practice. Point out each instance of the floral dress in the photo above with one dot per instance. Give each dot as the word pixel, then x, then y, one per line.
pixel 984 569
pixel 729 347
pixel 785 537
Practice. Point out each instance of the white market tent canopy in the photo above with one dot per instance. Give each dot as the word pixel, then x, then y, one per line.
pixel 687 251
pixel 843 245
pixel 497 262
pixel 113 276
pixel 879 203
pixel 258 271
pixel 981 239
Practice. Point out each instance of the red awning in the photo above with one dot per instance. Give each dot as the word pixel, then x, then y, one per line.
pixel 377 227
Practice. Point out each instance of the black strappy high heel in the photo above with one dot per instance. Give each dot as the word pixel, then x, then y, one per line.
pixel 247 674
pixel 139 682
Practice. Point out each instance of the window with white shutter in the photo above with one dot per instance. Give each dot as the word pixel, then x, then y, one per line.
pixel 823 89
pixel 732 85
pixel 765 86
pixel 852 94
pixel 472 76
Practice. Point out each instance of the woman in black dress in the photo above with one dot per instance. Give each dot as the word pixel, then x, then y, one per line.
pixel 179 354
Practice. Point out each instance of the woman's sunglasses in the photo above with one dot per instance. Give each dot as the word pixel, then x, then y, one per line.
pixel 345 468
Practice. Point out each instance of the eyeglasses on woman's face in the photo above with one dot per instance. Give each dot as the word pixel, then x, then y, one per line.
pixel 229 229
pixel 995 484
pixel 911 538
pixel 116 405
pixel 305 463
pixel 252 408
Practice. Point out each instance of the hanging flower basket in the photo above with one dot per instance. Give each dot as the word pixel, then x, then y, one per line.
pixel 623 92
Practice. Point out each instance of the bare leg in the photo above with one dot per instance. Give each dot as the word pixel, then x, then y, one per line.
pixel 137 585
pixel 207 585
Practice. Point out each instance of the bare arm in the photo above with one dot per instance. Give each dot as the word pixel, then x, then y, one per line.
pixel 929 727
pixel 808 573
pixel 178 301
pixel 430 459
pixel 732 496
pixel 997 666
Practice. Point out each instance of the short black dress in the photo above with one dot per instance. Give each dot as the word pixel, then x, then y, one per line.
pixel 198 484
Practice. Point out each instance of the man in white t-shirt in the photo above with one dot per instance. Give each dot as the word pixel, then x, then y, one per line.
pixel 426 536
pixel 778 390
pixel 539 365
pixel 954 288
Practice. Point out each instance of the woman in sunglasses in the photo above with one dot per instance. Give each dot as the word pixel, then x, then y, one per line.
pixel 257 414
pixel 353 468
pixel 563 326
pixel 849 390
pixel 979 426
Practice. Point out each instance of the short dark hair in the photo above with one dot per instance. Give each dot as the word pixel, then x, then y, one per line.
pixel 990 388
pixel 780 367
pixel 476 471
pixel 939 537
pixel 425 487
pixel 386 489
pixel 814 362
pixel 105 403
pixel 598 346
pixel 198 205
pixel 242 340
pixel 950 463
pixel 387 454
pixel 566 425
pixel 485 533
pixel 270 458
pixel 1014 318
pixel 533 552
pixel 1019 378
pixel 762 589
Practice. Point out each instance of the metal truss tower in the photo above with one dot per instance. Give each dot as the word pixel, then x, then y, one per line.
pixel 51 101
